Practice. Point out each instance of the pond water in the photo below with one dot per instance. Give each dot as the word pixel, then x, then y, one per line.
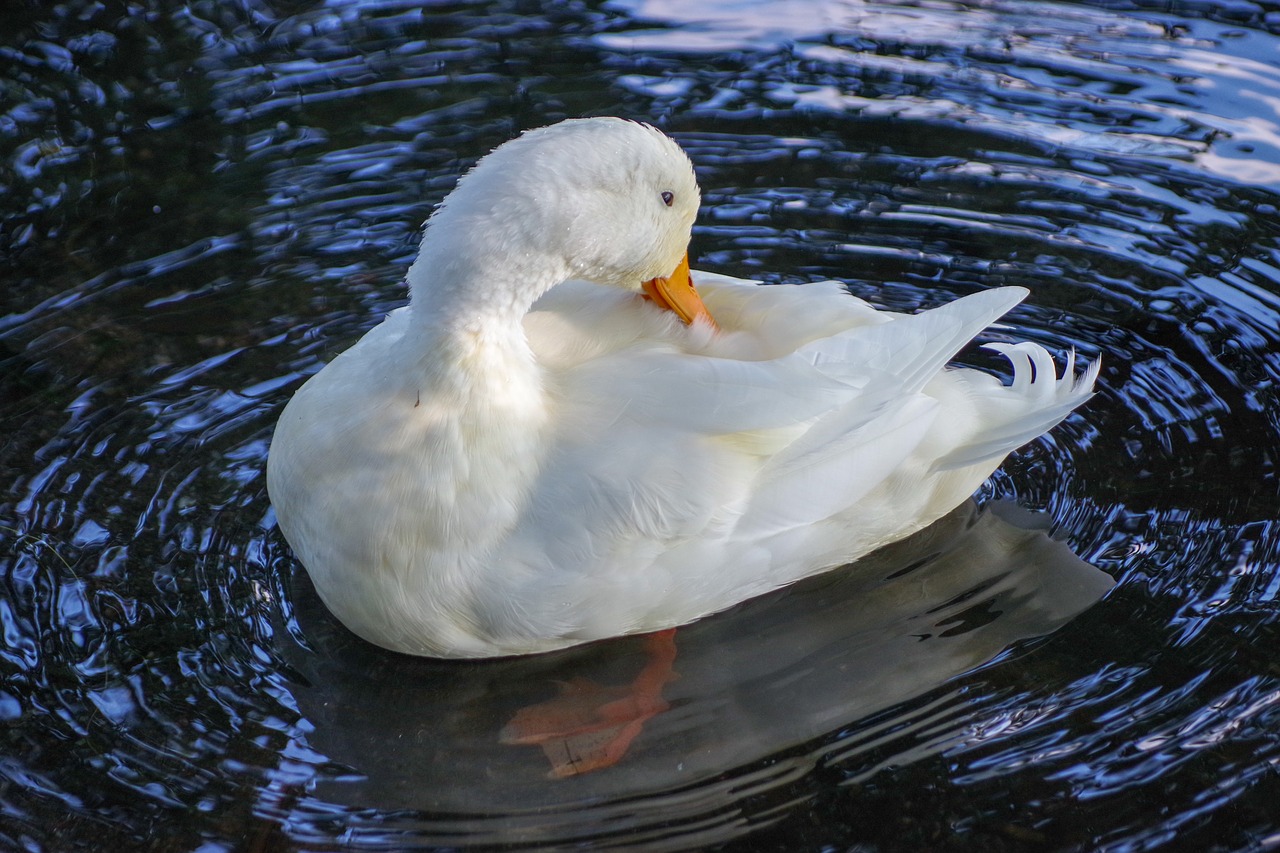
pixel 202 202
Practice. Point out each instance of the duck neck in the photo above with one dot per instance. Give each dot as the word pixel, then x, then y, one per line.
pixel 476 388
pixel 467 308
pixel 460 284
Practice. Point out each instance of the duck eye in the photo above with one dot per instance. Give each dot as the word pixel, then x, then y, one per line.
pixel 668 197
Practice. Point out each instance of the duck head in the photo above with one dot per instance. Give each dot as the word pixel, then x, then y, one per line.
pixel 605 200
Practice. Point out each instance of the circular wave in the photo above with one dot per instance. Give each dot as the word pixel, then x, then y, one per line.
pixel 166 664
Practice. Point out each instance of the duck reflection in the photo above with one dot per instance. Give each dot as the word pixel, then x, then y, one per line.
pixel 685 710
pixel 588 727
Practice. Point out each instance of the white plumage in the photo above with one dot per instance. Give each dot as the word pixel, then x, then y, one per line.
pixel 522 460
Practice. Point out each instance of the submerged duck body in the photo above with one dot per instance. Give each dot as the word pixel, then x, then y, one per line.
pixel 530 455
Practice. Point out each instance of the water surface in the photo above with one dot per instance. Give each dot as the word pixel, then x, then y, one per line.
pixel 202 203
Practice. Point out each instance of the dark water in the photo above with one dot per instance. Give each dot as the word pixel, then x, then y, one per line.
pixel 201 203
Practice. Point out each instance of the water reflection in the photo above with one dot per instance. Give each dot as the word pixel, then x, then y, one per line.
pixel 769 678
pixel 1129 86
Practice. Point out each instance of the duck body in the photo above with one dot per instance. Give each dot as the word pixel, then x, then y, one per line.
pixel 530 455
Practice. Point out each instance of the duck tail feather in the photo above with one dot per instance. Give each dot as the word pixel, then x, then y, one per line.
pixel 1040 400
pixel 892 362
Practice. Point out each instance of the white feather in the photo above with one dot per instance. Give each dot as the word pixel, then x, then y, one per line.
pixel 520 462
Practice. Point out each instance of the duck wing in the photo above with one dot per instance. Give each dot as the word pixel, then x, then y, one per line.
pixel 683 474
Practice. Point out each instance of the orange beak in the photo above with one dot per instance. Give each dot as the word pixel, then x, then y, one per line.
pixel 676 293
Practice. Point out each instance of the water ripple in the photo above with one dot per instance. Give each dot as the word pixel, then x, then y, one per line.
pixel 209 202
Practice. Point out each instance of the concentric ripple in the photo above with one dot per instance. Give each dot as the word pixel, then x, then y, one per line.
pixel 201 203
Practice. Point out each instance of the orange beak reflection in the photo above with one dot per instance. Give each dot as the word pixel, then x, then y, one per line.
pixel 677 294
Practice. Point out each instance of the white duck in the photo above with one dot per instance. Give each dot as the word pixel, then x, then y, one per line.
pixel 531 455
